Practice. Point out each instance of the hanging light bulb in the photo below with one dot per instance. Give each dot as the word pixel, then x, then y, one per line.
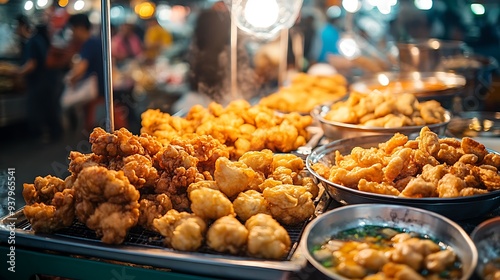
pixel 264 18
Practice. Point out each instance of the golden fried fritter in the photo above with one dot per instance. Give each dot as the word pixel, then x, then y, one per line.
pixel 227 234
pixel 58 214
pixel 79 161
pixel 203 184
pixel 311 187
pixel 119 143
pixel 259 161
pixel 210 204
pixel 43 189
pixel 182 231
pixel 232 177
pixel 289 204
pixel 106 202
pixel 139 170
pixel 290 161
pixel 380 188
pixel 249 203
pixel 153 206
pixel 266 237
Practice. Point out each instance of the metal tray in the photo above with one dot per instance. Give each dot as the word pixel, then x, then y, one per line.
pixel 460 208
pixel 145 247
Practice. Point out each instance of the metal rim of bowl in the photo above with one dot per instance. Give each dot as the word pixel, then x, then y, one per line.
pixel 478 234
pixel 305 248
pixel 384 197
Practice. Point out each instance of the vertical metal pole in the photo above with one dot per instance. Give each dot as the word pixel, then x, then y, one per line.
pixel 106 51
pixel 234 54
pixel 284 56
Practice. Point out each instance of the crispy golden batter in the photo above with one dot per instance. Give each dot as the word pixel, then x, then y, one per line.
pixel 289 204
pixel 266 237
pixel 227 234
pixel 79 161
pixel 153 206
pixel 45 217
pixel 210 204
pixel 138 169
pixel 380 188
pixel 290 161
pixel 232 177
pixel 259 161
pixel 249 203
pixel 106 202
pixel 43 189
pixel 182 231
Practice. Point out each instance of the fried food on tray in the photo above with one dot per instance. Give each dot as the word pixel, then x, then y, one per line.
pixel 249 203
pixel 232 177
pixel 79 161
pixel 289 204
pixel 138 169
pixel 43 189
pixel 182 231
pixel 425 167
pixel 266 237
pixel 260 161
pixel 106 202
pixel 153 206
pixel 240 126
pixel 53 214
pixel 227 234
pixel 306 91
pixel 386 110
pixel 122 143
pixel 210 204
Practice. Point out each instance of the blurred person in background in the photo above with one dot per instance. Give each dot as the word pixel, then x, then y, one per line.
pixel 43 97
pixel 126 45
pixel 328 37
pixel 156 39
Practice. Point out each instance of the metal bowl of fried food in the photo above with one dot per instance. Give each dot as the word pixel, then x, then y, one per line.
pixel 486 236
pixel 456 208
pixel 440 86
pixel 368 240
pixel 339 130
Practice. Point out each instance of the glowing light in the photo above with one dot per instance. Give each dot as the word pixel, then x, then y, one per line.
pixel 384 8
pixel 145 10
pixel 349 48
pixel 63 3
pixel 423 4
pixel 116 11
pixel 435 44
pixel 261 13
pixel 351 6
pixel 334 12
pixel 42 3
pixel 383 79
pixel 164 12
pixel 477 9
pixel 28 5
pixel 79 5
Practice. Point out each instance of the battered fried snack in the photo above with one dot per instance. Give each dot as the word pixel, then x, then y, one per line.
pixel 250 203
pixel 210 204
pixel 182 231
pixel 289 204
pixel 79 161
pixel 306 91
pixel 106 202
pixel 122 143
pixel 227 234
pixel 386 110
pixel 232 177
pixel 266 237
pixel 43 189
pixel 138 169
pixel 425 167
pixel 152 206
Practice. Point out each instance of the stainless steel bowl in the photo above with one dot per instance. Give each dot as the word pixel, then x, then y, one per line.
pixel 337 130
pixel 421 221
pixel 459 208
pixel 486 236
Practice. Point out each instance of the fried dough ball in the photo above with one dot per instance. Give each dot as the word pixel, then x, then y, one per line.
pixel 43 189
pixel 45 217
pixel 290 161
pixel 106 202
pixel 266 237
pixel 153 206
pixel 227 234
pixel 232 177
pixel 202 184
pixel 250 203
pixel 259 161
pixel 182 231
pixel 210 204
pixel 289 204
pixel 79 161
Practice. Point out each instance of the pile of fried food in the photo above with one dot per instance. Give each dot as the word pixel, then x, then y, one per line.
pixel 240 126
pixel 305 92
pixel 425 167
pixel 386 110
pixel 188 190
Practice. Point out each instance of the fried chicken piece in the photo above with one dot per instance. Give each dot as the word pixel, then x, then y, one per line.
pixel 79 161
pixel 227 234
pixel 366 157
pixel 202 184
pixel 232 177
pixel 58 214
pixel 290 161
pixel 379 188
pixel 289 204
pixel 398 140
pixel 308 182
pixel 138 169
pixel 268 183
pixel 351 178
pixel 182 231
pixel 177 171
pixel 490 178
pixel 400 184
pixel 284 175
pixel 43 189
pixel 106 202
pixel 250 203
pixel 418 188
pixel 492 159
pixel 119 143
pixel 322 169
pixel 432 112
pixel 471 146
pixel 429 141
pixel 266 237
pixel 393 168
pixel 210 204
pixel 433 173
pixel 468 191
pixel 469 159
pixel 260 161
pixel 450 186
pixel 153 206
pixel 449 154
